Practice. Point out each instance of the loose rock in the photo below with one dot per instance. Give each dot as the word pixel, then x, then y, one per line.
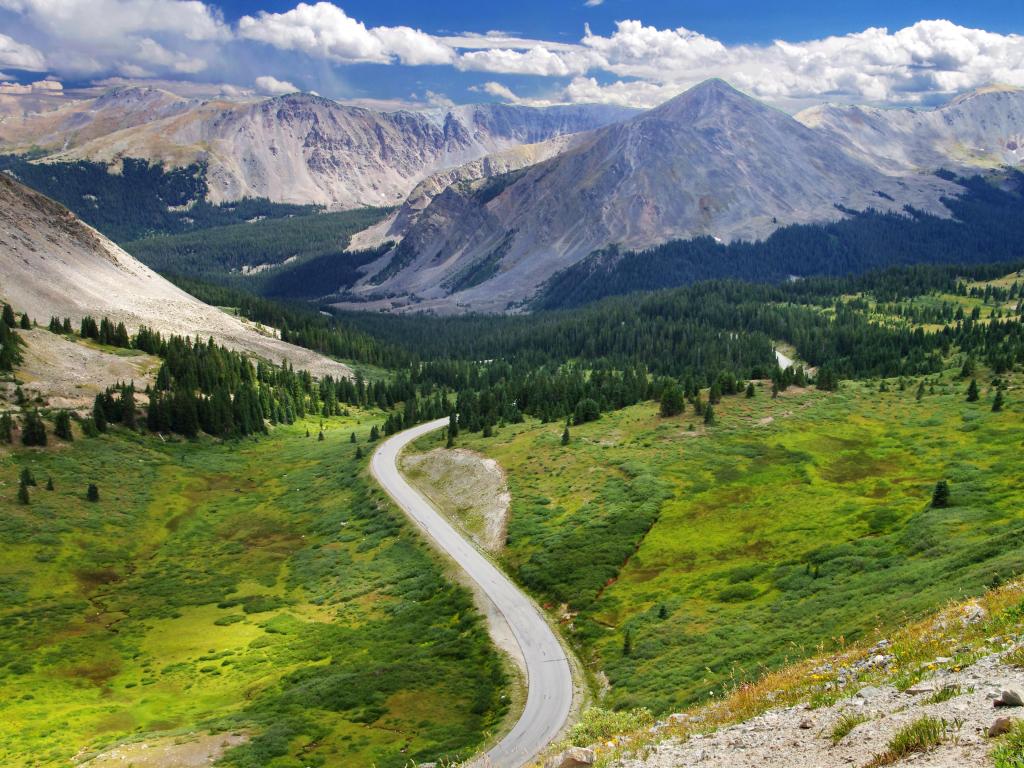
pixel 573 757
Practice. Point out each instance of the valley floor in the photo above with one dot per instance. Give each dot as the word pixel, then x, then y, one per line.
pixel 258 589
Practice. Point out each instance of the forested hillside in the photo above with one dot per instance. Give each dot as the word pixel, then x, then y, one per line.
pixel 301 256
pixel 142 199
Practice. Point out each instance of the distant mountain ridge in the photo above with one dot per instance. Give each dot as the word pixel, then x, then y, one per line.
pixel 297 148
pixel 711 162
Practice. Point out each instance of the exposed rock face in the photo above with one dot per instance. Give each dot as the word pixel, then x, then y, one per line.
pixel 51 264
pixel 981 129
pixel 299 148
pixel 75 123
pixel 710 162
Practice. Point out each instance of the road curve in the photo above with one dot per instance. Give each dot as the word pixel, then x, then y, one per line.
pixel 550 691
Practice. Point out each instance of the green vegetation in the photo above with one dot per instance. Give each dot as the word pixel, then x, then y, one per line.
pixel 255 584
pixel 922 735
pixel 792 523
pixel 295 257
pixel 142 199
pixel 945 693
pixel 1010 751
pixel 596 724
pixel 987 225
pixel 845 724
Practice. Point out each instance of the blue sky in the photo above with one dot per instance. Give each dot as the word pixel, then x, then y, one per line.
pixel 634 52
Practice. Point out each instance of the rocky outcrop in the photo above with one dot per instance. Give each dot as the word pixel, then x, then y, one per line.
pixel 978 130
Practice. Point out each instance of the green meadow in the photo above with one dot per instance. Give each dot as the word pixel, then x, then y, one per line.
pixel 685 558
pixel 258 586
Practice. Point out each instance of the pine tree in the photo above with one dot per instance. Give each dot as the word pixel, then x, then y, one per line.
pixel 33 431
pixel 920 391
pixel 49 483
pixel 672 403
pixel 709 415
pixel 27 478
pixel 6 427
pixel 662 612
pixel 352 437
pixel 62 426
pixel 374 434
pixel 92 493
pixel 997 404
pixel 26 324
pixel 940 496
pixel 23 496
pixel 565 436
pixel 359 452
pixel 320 437
pixel 99 414
pixel 8 316
pixel 750 389
pixel 450 442
pixel 627 643
pixel 972 391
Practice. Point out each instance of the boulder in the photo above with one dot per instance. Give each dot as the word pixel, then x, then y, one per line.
pixel 573 757
pixel 1000 726
pixel 1009 698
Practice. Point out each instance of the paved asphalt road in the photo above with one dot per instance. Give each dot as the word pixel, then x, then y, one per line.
pixel 550 679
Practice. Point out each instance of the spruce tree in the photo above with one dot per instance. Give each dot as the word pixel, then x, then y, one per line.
pixel 27 478
pixel 359 452
pixel 8 316
pixel 33 431
pixel 320 437
pixel 972 391
pixel 92 493
pixel 6 427
pixel 352 437
pixel 99 414
pixel 62 426
pixel 453 425
pixel 627 643
pixel 26 324
pixel 49 483
pixel 920 391
pixel 940 496
pixel 750 389
pixel 23 496
pixel 709 415
pixel 672 403
pixel 997 404
pixel 565 436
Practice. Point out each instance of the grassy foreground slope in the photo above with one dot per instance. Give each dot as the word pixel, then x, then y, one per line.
pixel 689 556
pixel 252 585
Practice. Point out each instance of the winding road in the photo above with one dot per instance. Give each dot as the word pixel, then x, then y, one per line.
pixel 550 687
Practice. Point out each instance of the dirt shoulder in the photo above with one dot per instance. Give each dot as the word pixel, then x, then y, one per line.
pixel 469 488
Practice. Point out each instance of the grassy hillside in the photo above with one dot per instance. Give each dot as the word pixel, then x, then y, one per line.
pixel 690 555
pixel 254 585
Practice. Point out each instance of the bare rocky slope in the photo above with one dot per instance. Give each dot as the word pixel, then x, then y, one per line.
pixel 980 129
pixel 712 161
pixel 297 148
pixel 942 692
pixel 51 264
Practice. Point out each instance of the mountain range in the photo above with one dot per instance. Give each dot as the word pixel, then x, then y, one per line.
pixel 297 148
pixel 711 162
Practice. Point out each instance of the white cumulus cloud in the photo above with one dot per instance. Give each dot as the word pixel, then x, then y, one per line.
pixel 324 30
pixel 273 87
pixel 19 55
